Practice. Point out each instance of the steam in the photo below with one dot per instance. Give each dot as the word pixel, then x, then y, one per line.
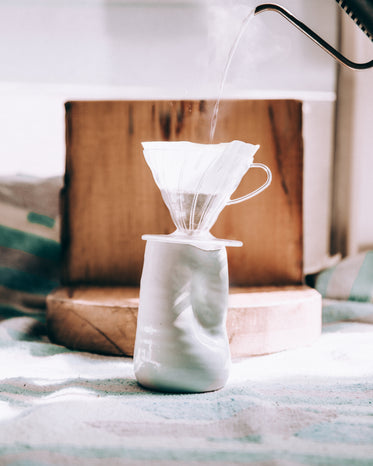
pixel 257 46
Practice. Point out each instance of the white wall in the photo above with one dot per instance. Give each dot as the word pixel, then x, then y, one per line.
pixel 158 43
pixel 55 50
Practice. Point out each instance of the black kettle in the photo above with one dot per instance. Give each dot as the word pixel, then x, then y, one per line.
pixel 361 11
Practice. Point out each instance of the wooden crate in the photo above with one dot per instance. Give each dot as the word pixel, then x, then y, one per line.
pixel 110 199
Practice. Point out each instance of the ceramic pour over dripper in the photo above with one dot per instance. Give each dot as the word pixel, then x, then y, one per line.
pixel 196 182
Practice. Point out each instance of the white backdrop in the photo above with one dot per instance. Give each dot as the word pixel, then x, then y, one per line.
pixel 57 50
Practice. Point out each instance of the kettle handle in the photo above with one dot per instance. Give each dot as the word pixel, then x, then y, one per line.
pixel 258 190
pixel 312 35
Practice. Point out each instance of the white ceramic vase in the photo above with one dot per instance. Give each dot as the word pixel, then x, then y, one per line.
pixel 181 340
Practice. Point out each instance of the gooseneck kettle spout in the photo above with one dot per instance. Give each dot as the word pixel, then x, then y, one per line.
pixel 361 11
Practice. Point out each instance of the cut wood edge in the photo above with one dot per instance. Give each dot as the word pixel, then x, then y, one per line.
pixel 262 320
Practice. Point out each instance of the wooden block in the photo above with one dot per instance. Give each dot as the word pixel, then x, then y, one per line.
pixel 98 320
pixel 110 198
pixel 259 321
pixel 271 319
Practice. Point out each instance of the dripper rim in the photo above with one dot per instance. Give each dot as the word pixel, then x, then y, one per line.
pixel 207 243
pixel 153 144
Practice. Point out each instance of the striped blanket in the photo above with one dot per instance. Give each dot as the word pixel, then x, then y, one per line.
pixel 29 243
pixel 307 406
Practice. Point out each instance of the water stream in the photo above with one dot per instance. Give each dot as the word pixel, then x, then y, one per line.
pixel 215 112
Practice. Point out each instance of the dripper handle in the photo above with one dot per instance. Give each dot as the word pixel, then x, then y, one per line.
pixel 258 190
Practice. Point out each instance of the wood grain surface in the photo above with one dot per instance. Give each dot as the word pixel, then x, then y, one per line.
pixel 110 199
pixel 260 320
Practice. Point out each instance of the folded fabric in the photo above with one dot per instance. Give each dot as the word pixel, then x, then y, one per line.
pixel 350 280
pixel 29 242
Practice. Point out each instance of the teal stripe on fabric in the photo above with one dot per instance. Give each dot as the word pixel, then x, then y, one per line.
pixel 39 349
pixel 28 242
pixel 8 312
pixel 36 349
pixel 338 432
pixel 322 281
pixel 362 288
pixel 23 281
pixel 352 311
pixel 108 453
pixel 40 219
